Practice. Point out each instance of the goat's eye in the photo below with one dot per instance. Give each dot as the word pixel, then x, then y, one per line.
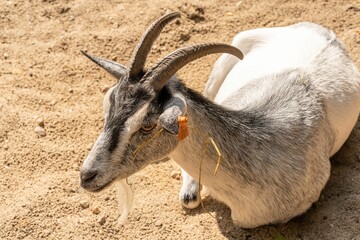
pixel 147 128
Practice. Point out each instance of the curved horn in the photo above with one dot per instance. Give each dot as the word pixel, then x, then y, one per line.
pixel 115 69
pixel 144 46
pixel 167 67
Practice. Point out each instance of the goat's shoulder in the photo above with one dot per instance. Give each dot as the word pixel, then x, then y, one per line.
pixel 285 96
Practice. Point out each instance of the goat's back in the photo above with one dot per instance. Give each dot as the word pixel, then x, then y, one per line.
pixel 271 51
pixel 307 48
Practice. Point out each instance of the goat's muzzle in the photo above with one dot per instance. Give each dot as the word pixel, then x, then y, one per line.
pixel 87 176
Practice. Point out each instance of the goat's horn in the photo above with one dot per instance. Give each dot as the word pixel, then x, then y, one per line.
pixel 168 66
pixel 144 46
pixel 115 69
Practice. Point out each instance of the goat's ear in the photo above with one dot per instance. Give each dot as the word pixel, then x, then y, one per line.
pixel 106 101
pixel 117 70
pixel 175 107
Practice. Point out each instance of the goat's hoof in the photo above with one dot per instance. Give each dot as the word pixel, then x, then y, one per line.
pixel 190 200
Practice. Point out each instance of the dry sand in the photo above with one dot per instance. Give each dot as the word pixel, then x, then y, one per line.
pixel 43 74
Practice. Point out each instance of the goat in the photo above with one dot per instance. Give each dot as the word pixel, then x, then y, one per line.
pixel 277 116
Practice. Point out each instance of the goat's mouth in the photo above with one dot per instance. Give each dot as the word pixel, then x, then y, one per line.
pixel 94 184
pixel 92 187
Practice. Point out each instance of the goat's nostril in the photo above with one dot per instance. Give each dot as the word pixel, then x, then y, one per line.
pixel 88 175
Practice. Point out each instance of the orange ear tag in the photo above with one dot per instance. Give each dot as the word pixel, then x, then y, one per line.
pixel 183 127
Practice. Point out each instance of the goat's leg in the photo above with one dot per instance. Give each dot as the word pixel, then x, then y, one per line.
pixel 190 191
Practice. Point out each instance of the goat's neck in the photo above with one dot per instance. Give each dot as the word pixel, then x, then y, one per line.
pixel 226 127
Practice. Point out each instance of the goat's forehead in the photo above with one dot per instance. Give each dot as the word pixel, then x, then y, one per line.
pixel 124 93
pixel 127 101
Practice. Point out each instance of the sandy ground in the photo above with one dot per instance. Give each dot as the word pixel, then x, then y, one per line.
pixel 43 74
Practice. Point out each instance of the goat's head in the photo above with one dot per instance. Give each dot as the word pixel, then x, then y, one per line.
pixel 139 106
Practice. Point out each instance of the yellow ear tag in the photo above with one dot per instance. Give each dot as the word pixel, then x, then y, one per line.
pixel 183 127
